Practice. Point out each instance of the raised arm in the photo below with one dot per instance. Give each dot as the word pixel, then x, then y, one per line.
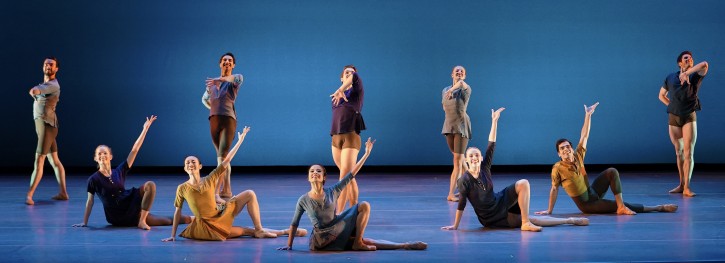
pixel 588 111
pixel 368 149
pixel 87 213
pixel 234 149
pixel 136 146
pixel 175 225
pixel 700 68
pixel 494 123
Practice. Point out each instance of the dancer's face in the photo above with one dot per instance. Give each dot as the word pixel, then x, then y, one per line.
pixel 192 164
pixel 565 151
pixel 473 157
pixel 316 174
pixel 346 73
pixel 686 62
pixel 103 155
pixel 50 67
pixel 227 64
pixel 458 73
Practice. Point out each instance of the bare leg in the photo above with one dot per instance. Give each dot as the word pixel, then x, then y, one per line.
pixel 148 193
pixel 457 170
pixel 59 176
pixel 348 157
pixel 249 199
pixel 555 221
pixel 661 208
pixel 363 215
pixel 523 190
pixel 389 245
pixel 35 177
pixel 676 139
pixel 689 136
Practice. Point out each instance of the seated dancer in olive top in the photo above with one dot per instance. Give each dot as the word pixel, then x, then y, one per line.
pixel 508 208
pixel 123 207
pixel 342 231
pixel 214 221
pixel 570 173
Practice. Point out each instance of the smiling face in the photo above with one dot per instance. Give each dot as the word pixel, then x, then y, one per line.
pixel 473 158
pixel 226 64
pixel 50 67
pixel 192 164
pixel 458 73
pixel 565 151
pixel 316 174
pixel 103 154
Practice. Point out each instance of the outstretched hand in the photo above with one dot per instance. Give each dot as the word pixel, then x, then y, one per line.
pixel 244 132
pixel 369 145
pixel 449 228
pixel 590 109
pixel 497 113
pixel 168 239
pixel 337 96
pixel 213 82
pixel 149 121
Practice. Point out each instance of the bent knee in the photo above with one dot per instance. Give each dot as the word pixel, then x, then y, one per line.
pixel 523 183
pixel 612 171
pixel 249 194
pixel 363 206
pixel 150 185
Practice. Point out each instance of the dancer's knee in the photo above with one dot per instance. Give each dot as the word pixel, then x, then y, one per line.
pixel 522 184
pixel 149 186
pixel 612 172
pixel 363 207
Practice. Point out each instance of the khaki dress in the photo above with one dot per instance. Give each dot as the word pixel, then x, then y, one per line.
pixel 210 222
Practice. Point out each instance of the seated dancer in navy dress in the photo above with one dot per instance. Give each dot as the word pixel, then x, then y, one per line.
pixel 342 231
pixel 123 207
pixel 508 208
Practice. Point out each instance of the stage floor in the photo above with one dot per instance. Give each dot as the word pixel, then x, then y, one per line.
pixel 405 207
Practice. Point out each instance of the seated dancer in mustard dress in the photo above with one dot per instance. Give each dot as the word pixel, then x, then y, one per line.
pixel 214 221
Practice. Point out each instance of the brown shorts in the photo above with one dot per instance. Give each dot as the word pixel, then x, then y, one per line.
pixel 680 121
pixel 456 143
pixel 346 140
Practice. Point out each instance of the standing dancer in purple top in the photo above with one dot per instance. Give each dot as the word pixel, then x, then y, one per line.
pixel 682 87
pixel 45 98
pixel 347 122
pixel 219 97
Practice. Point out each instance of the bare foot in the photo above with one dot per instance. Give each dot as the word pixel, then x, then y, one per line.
pixel 29 200
pixel 625 211
pixel 676 190
pixel 528 226
pixel 60 197
pixel 301 232
pixel 669 208
pixel 263 234
pixel 417 245
pixel 688 193
pixel 452 198
pixel 143 225
pixel 363 247
pixel 579 221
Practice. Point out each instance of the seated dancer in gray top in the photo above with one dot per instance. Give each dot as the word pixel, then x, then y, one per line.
pixel 508 208
pixel 343 231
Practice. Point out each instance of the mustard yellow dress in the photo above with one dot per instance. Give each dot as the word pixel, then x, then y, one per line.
pixel 210 222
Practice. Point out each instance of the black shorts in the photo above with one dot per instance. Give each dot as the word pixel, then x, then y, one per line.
pixel 679 121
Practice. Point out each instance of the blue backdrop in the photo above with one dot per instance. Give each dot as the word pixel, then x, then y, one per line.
pixel 123 60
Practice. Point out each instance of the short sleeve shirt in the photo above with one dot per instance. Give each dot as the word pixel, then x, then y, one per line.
pixel 222 97
pixel 45 102
pixel 683 98
pixel 347 116
pixel 571 175
pixel 457 120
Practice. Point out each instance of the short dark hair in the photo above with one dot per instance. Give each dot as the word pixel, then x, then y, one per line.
pixel 57 64
pixel 228 54
pixel 347 67
pixel 686 52
pixel 560 141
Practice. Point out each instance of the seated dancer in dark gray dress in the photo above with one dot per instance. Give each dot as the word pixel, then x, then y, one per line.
pixel 342 231
pixel 123 207
pixel 508 208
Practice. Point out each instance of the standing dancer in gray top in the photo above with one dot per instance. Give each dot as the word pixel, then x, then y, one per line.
pixel 219 97
pixel 45 97
pixel 457 126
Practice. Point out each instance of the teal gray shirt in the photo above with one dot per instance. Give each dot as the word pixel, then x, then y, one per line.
pixel 222 97
pixel 45 102
pixel 457 120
